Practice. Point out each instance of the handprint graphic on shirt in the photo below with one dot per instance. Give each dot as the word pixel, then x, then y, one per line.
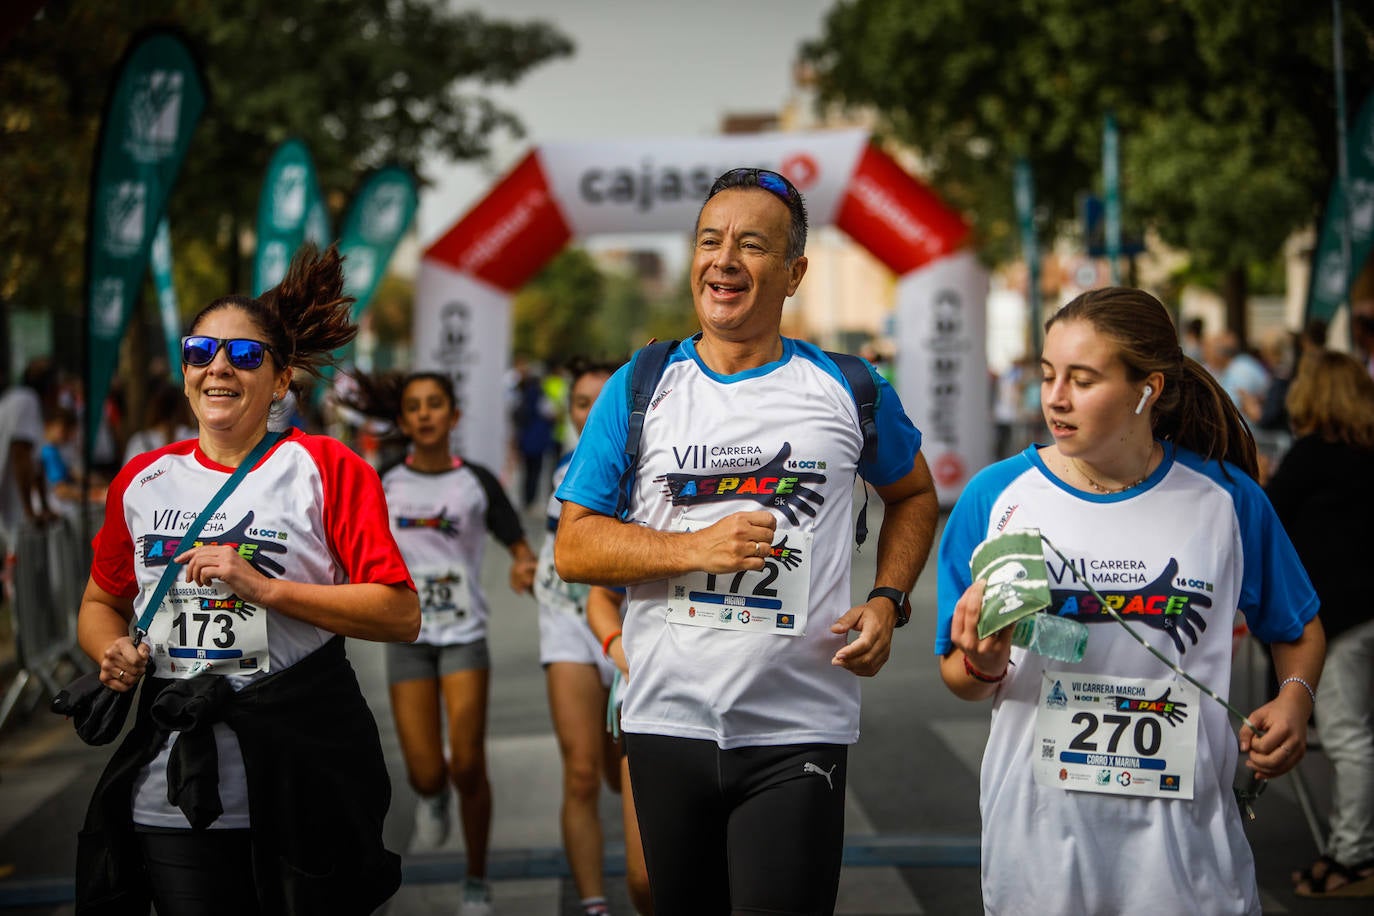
pixel 1160 605
pixel 772 485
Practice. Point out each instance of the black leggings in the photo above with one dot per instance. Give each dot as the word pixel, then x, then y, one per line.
pixel 200 872
pixel 746 830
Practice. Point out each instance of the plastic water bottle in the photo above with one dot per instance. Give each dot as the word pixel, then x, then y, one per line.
pixel 1052 636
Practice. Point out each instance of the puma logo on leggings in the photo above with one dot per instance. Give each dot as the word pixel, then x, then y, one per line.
pixel 812 768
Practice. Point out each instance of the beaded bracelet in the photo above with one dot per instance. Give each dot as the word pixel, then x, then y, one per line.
pixel 1312 694
pixel 985 678
pixel 606 643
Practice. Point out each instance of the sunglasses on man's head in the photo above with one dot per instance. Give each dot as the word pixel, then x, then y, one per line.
pixel 763 178
pixel 241 352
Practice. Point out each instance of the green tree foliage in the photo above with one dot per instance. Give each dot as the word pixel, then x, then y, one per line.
pixel 1226 109
pixel 574 307
pixel 555 314
pixel 630 317
pixel 671 318
pixel 362 82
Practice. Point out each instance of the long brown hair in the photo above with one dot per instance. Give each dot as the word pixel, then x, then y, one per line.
pixel 1193 410
pixel 1332 396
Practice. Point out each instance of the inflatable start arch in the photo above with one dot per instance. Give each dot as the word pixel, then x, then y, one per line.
pixel 562 190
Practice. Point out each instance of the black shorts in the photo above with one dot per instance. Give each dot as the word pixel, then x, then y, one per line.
pixel 746 830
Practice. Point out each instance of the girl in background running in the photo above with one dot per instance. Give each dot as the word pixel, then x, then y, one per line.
pixel 578 676
pixel 442 508
pixel 605 611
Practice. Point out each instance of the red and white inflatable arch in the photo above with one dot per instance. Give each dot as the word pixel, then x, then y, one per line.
pixel 562 190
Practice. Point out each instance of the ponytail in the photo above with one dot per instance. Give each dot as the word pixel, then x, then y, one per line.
pixel 309 310
pixel 380 396
pixel 1203 418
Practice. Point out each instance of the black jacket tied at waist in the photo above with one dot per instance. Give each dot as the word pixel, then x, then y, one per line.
pixel 318 789
pixel 191 708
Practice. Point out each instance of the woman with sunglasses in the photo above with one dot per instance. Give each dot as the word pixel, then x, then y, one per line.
pixel 252 780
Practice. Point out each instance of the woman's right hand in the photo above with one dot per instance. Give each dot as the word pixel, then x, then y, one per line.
pixel 991 655
pixel 123 663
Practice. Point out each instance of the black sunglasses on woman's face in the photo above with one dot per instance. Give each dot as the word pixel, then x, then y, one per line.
pixel 242 352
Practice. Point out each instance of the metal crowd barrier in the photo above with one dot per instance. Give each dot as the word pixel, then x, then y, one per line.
pixel 49 576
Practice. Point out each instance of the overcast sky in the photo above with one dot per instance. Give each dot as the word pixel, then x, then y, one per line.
pixel 661 68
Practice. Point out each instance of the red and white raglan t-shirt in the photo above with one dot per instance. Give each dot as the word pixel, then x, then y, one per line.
pixel 311 511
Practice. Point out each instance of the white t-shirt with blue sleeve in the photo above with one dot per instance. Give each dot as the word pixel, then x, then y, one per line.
pixel 783 437
pixel 1178 556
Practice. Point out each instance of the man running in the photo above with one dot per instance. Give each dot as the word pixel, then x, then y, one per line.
pixel 735 547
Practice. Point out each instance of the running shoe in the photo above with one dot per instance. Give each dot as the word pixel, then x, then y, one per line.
pixel 476 898
pixel 431 822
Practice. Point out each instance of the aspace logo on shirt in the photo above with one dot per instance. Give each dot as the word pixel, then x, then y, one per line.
pixel 233 603
pixel 1161 604
pixel 772 485
pixel 159 549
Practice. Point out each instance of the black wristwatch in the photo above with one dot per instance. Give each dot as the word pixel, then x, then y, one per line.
pixel 899 599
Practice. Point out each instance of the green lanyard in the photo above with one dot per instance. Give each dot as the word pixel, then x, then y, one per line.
pixel 169 574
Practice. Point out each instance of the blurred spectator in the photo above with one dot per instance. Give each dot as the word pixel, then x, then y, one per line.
pixel 1280 352
pixel 165 420
pixel 1239 373
pixel 1314 336
pixel 1320 491
pixel 1030 402
pixel 1008 412
pixel 556 393
pixel 1192 339
pixel 22 490
pixel 532 417
pixel 106 450
pixel 64 489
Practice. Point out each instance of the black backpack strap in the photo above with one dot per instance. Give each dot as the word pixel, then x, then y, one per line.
pixel 646 369
pixel 865 391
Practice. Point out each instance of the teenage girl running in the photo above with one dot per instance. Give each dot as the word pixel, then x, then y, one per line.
pixel 605 612
pixel 578 676
pixel 442 508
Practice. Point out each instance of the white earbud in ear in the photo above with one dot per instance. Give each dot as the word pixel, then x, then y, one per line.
pixel 1144 399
